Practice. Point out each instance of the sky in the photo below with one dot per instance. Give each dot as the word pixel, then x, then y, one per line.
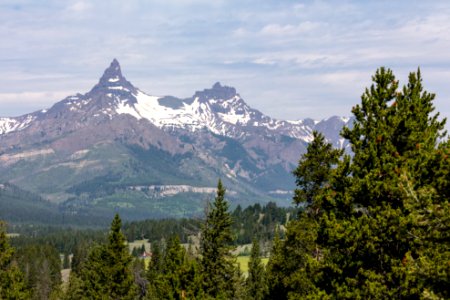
pixel 288 59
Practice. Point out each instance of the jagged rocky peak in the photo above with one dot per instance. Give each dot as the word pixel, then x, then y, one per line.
pixel 113 79
pixel 217 92
pixel 113 73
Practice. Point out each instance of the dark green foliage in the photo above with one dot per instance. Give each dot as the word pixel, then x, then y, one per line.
pixel 155 230
pixel 218 271
pixel 275 271
pixel 12 285
pixel 394 141
pixel 293 263
pixel 252 221
pixel 176 276
pixel 66 240
pixel 41 266
pixel 255 284
pixel 75 289
pixel 256 221
pixel 156 264
pixel 313 171
pixel 107 273
pixel 19 206
pixel 80 255
pixel 135 252
pixel 378 227
pixel 172 274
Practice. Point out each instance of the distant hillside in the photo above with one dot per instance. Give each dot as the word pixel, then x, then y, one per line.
pixel 21 207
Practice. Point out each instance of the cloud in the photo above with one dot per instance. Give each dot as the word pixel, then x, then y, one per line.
pixel 283 30
pixel 79 7
pixel 14 104
pixel 304 53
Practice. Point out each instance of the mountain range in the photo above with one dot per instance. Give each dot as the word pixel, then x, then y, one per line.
pixel 117 148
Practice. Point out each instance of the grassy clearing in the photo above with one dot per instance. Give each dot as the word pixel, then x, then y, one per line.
pixel 138 244
pixel 242 262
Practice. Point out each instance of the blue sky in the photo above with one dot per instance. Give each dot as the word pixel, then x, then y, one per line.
pixel 289 59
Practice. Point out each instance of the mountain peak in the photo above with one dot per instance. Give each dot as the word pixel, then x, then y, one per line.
pixel 217 91
pixel 113 79
pixel 112 73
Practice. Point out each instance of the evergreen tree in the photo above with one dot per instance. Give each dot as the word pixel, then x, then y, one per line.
pixel 376 226
pixel 107 272
pixel 217 262
pixel 177 277
pixel 75 289
pixel 256 285
pixel 41 266
pixel 314 169
pixel 135 252
pixel 174 267
pixel 274 270
pixel 80 254
pixel 377 233
pixel 166 281
pixel 393 138
pixel 12 285
pixel 294 262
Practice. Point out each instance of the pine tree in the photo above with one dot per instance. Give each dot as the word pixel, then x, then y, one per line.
pixel 377 226
pixel 373 248
pixel 154 271
pixel 12 285
pixel 294 263
pixel 313 171
pixel 274 270
pixel 393 139
pixel 80 254
pixel 217 266
pixel 256 285
pixel 107 273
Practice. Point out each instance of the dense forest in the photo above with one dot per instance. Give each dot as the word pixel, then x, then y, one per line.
pixel 370 225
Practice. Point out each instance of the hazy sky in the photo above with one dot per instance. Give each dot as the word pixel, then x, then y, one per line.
pixel 289 59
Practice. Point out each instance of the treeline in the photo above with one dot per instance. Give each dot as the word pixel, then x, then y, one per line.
pixel 260 222
pixel 64 240
pixel 40 249
pixel 256 220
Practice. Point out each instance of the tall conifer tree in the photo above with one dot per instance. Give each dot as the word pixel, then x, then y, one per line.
pixel 383 227
pixel 12 285
pixel 256 285
pixel 217 266
pixel 106 273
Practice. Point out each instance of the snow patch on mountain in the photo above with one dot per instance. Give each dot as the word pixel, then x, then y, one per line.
pixel 219 109
pixel 219 116
pixel 12 124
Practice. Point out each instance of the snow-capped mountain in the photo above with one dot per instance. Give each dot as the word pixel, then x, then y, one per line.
pixel 117 137
pixel 220 110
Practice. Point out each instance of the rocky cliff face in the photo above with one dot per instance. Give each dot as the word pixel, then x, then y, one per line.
pixel 89 148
